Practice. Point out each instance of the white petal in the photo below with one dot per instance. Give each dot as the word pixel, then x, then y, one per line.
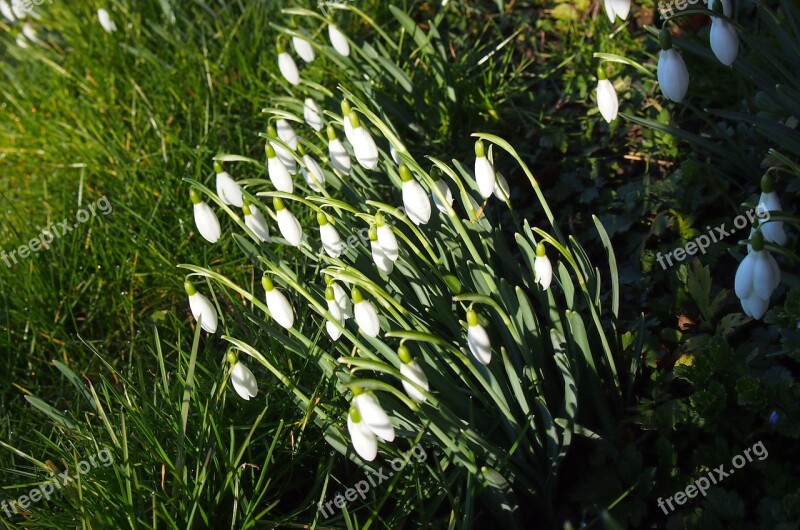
pixel 763 276
pixel 336 313
pixel 288 68
pixel 364 147
pixel 394 155
pixel 479 344
pixel 286 134
pixel 311 114
pixel 228 190
pixel 279 175
pixel 315 178
pixel 285 156
pixel 543 271
pixel 340 295
pixel 207 222
pixel 384 264
pixel 364 442
pixel 743 282
pixel 257 223
pixel 338 40
pixel 607 100
pixel 724 41
pixel 289 227
pixel 501 189
pixel 388 242
pixel 243 381
pixel 201 306
pixel 413 371
pixel 448 195
pixel 105 20
pixel 5 9
pixel 303 48
pixel 367 318
pixel 331 241
pixel 333 331
pixel 484 176
pixel 673 77
pixel 29 32
pixel 340 159
pixel 416 202
pixel 373 415
pixel 755 307
pixel 280 308
pixel 21 42
pixel 617 8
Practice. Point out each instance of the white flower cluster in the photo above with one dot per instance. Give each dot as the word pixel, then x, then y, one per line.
pixel 673 76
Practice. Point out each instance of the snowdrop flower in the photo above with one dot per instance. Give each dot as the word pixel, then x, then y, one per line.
pixel 287 65
pixel 7 12
pixel 312 114
pixel 284 155
pixel 29 32
pixel 205 219
pixel 386 238
pixel 279 307
pixel 336 312
pixel 340 159
pixel 444 189
pixel 366 316
pixel 415 200
pixel 382 261
pixel 312 172
pixel 340 295
pixel 501 189
pixel 363 145
pixel 242 379
pixel 286 134
pixel 288 224
pixel 18 9
pixel 673 77
pixel 723 36
pixel 201 308
pixel 303 48
pixel 769 202
pixel 607 100
pixel 373 415
pixel 617 8
pixel 364 441
pixel 331 241
pixel 255 221
pixel 348 128
pixel 757 277
pixel 478 339
pixel 338 40
pixel 412 370
pixel 542 268
pixel 228 190
pixel 484 172
pixel 278 174
pixel 105 20
pixel 21 42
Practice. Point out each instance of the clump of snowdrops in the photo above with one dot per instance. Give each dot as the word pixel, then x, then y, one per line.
pixel 432 323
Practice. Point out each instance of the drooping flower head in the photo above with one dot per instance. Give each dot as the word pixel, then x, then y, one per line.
pixel 607 100
pixel 384 264
pixel 278 174
pixel 757 277
pixel 723 37
pixel 286 64
pixel 255 221
pixel 340 158
pixel 331 241
pixel 228 189
pixel 484 172
pixel 542 267
pixel 288 224
pixel 477 339
pixel 202 309
pixel 284 155
pixel 242 379
pixel 338 40
pixel 279 307
pixel 415 200
pixel 363 145
pixel 617 8
pixel 411 369
pixel 205 219
pixel 365 314
pixel 673 77
pixel 106 21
